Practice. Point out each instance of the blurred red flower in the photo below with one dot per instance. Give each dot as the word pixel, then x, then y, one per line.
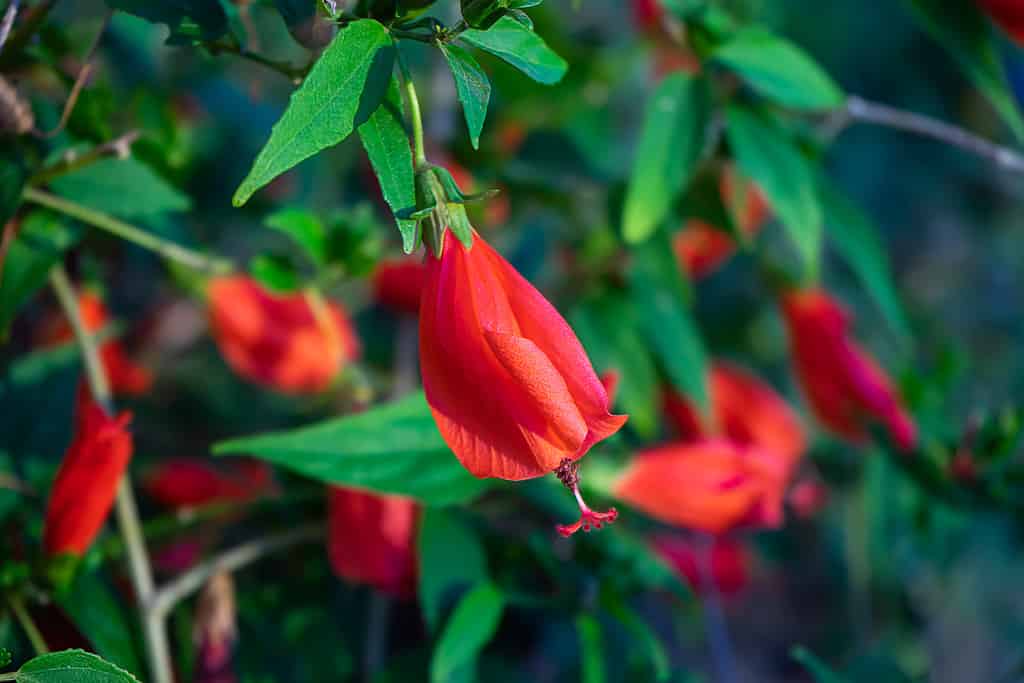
pixel 187 482
pixel 745 410
pixel 807 497
pixel 647 15
pixel 844 385
pixel 1007 13
pixel 713 486
pixel 511 388
pixel 730 562
pixel 284 341
pixel 371 539
pixel 86 483
pixel 125 376
pixel 702 248
pixel 398 284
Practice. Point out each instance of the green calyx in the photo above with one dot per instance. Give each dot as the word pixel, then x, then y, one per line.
pixel 441 204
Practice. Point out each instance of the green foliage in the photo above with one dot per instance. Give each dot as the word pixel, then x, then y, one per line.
pixel 305 228
pixel 344 88
pixel 779 70
pixel 276 273
pixel 767 155
pixel 591 650
pixel 394 448
pixel 671 143
pixel 444 536
pixel 817 668
pixel 94 608
pixel 126 188
pixel 471 626
pixel 473 87
pixel 521 47
pixel 72 666
pixel 188 20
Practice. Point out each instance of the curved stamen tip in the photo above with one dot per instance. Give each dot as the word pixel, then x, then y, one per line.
pixel 568 473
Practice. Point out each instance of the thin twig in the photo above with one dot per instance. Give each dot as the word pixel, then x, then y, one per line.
pixel 293 73
pixel 7 237
pixel 27 625
pixel 119 148
pixel 147 240
pixel 860 110
pixel 32 19
pixel 8 21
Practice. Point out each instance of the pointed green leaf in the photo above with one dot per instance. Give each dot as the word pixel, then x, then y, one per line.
pixel 473 87
pixel 126 188
pixel 305 228
pixel 95 610
pixel 472 625
pixel 387 145
pixel 779 70
pixel 767 155
pixel 521 47
pixel 276 273
pixel 343 89
pixel 71 666
pixel 961 28
pixel 444 536
pixel 671 142
pixel 856 238
pixel 588 628
pixel 394 448
pixel 642 632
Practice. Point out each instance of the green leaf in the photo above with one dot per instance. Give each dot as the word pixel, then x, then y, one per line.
pixel 856 239
pixel 591 649
pixel 94 609
pixel 276 273
pixel 961 28
pixel 72 666
pixel 126 188
pixel 817 668
pixel 41 242
pixel 13 175
pixel 767 155
pixel 659 294
pixel 394 448
pixel 305 227
pixel 189 20
pixel 779 70
pixel 671 142
pixel 387 145
pixel 522 48
pixel 641 631
pixel 342 90
pixel 473 87
pixel 444 536
pixel 472 625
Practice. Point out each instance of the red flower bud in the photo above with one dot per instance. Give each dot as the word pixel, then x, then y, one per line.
pixel 730 562
pixel 285 342
pixel 87 480
pixel 1007 13
pixel 711 486
pixel 187 482
pixel 398 284
pixel 744 410
pixel 371 539
pixel 844 385
pixel 125 376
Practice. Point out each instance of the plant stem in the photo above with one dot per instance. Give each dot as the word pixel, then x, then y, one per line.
pixel 714 618
pixel 119 148
pixel 146 240
pixel 9 676
pixel 157 645
pixel 414 113
pixel 29 626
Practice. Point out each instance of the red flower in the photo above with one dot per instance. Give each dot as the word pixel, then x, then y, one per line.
pixel 284 342
pixel 730 562
pixel 647 15
pixel 845 387
pixel 187 482
pixel 510 386
pixel 702 248
pixel 744 410
pixel 1007 13
pixel 371 539
pixel 711 486
pixel 398 284
pixel 125 376
pixel 808 497
pixel 87 480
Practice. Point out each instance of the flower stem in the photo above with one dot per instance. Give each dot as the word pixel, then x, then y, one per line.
pixel 29 626
pixel 157 645
pixel 169 250
pixel 714 618
pixel 414 113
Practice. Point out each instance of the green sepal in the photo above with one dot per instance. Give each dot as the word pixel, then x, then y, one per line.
pixel 460 225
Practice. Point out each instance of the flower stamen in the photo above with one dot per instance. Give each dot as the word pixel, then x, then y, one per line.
pixel 568 472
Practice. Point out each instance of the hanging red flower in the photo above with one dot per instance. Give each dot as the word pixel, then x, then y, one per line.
pixel 730 562
pixel 398 284
pixel 282 341
pixel 371 539
pixel 188 482
pixel 86 483
pixel 844 385
pixel 509 384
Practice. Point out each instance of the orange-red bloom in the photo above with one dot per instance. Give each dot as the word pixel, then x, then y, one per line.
pixel 398 284
pixel 285 342
pixel 187 482
pixel 730 562
pixel 744 410
pixel 844 385
pixel 87 480
pixel 702 248
pixel 711 486
pixel 125 376
pixel 509 384
pixel 1007 13
pixel 371 539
